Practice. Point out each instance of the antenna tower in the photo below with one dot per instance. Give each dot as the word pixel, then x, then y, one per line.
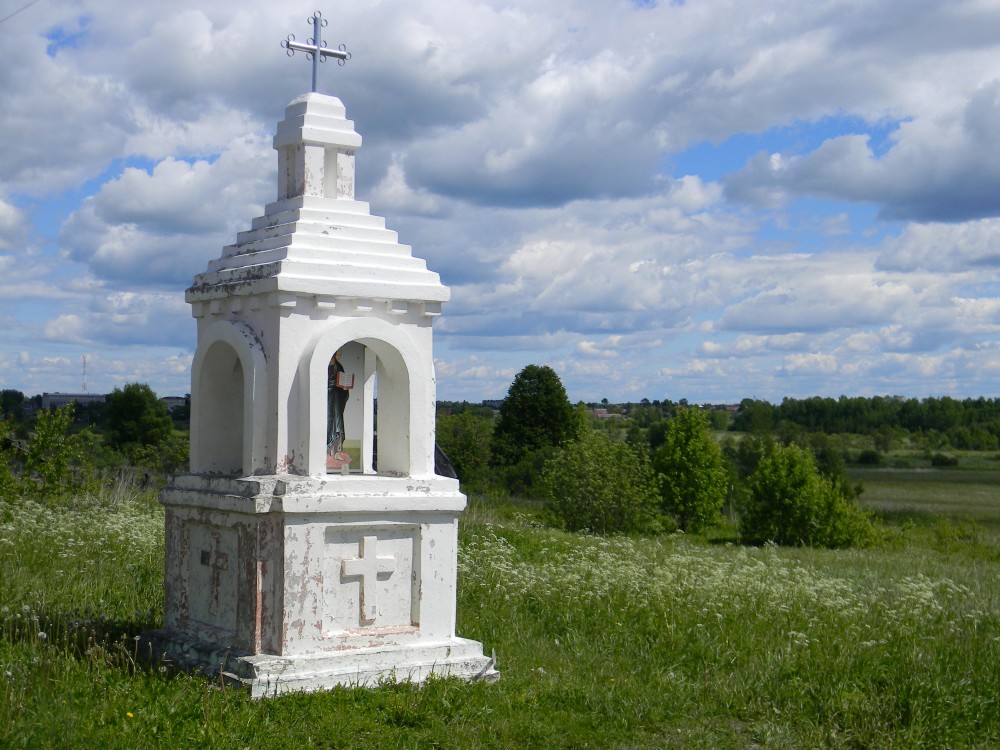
pixel 84 373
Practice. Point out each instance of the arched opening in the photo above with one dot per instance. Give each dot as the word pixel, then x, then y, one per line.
pixel 391 389
pixel 389 366
pixel 367 415
pixel 228 402
pixel 219 395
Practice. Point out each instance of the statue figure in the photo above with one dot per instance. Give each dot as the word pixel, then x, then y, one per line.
pixel 337 393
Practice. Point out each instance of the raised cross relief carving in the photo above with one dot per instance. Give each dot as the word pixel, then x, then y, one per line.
pixel 368 566
pixel 212 576
pixel 218 564
pixel 373 582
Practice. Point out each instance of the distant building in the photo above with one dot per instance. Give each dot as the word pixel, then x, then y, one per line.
pixel 604 414
pixel 55 400
pixel 173 401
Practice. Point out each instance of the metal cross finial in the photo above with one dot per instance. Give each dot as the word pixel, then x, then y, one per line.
pixel 315 48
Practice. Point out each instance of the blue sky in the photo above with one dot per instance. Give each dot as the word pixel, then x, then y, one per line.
pixel 707 200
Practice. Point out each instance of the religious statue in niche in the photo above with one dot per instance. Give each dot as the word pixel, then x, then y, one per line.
pixel 338 390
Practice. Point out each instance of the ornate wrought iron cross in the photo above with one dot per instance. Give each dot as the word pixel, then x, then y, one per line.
pixel 315 48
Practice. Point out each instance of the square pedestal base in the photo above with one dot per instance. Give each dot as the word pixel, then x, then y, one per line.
pixel 284 583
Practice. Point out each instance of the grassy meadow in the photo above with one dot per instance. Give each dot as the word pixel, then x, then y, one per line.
pixel 619 642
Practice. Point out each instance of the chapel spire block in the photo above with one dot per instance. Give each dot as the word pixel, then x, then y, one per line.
pixel 316 146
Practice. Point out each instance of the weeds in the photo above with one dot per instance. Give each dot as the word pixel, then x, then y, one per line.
pixel 601 641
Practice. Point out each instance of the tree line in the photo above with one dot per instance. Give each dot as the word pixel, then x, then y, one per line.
pixel 659 470
pixel 968 424
pixel 664 471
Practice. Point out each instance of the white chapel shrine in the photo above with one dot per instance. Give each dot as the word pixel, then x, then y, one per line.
pixel 312 544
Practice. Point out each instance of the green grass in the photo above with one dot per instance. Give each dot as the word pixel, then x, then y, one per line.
pixel 601 642
pixel 960 493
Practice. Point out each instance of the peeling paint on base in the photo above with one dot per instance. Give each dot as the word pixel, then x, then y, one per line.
pixel 358 589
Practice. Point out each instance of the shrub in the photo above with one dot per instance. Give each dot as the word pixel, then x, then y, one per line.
pixel 600 485
pixel 465 439
pixel 8 451
pixel 869 457
pixel 166 457
pixel 744 454
pixel 56 463
pixel 943 461
pixel 789 502
pixel 692 471
pixel 519 479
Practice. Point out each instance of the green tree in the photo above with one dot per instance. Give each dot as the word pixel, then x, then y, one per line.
pixel 600 485
pixel 8 459
pixel 719 419
pixel 789 501
pixel 12 405
pixel 657 433
pixel 535 415
pixel 744 454
pixel 693 476
pixel 465 438
pixel 754 416
pixel 586 421
pixel 137 417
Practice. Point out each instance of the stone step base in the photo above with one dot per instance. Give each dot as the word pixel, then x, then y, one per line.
pixel 267 675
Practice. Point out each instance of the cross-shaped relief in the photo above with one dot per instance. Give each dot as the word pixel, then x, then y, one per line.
pixel 218 562
pixel 368 566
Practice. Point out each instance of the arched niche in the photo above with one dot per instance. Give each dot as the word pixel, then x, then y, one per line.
pixel 227 401
pixel 351 383
pixel 404 374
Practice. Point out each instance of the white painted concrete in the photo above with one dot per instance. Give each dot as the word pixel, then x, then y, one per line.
pixel 301 578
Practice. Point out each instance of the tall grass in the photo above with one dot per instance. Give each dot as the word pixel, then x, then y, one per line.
pixel 666 633
pixel 601 642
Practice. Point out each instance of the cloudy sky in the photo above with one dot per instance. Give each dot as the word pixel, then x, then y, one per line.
pixel 701 199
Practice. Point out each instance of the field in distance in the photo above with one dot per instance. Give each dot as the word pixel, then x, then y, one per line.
pixel 961 494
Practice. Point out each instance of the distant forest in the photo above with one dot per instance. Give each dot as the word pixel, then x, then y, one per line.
pixel 969 424
pixel 966 424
